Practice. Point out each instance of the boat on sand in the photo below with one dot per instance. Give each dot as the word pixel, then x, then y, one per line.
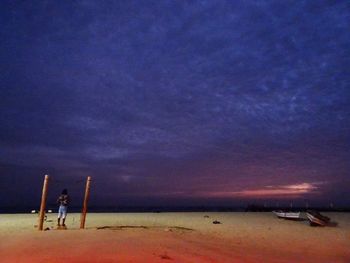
pixel 316 219
pixel 287 214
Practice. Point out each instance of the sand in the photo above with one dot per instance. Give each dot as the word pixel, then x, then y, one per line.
pixel 174 237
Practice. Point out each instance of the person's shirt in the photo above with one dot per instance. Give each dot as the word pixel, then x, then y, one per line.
pixel 63 200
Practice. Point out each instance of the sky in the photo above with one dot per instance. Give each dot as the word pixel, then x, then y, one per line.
pixel 175 103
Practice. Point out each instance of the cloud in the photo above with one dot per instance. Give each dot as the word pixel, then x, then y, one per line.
pixel 221 97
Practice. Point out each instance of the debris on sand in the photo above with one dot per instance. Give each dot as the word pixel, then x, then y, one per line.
pixel 206 216
pixel 120 227
pixel 181 228
pixel 165 256
pixel 216 222
pixel 178 229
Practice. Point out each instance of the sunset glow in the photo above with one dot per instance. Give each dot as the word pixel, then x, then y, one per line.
pixel 279 191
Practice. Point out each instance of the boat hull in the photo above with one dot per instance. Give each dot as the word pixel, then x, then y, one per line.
pixel 316 219
pixel 287 215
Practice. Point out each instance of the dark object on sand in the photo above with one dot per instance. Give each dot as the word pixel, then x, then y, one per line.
pixel 120 227
pixel 216 222
pixel 206 216
pixel 165 256
pixel 316 219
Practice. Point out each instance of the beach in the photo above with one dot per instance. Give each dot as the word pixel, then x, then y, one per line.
pixel 173 237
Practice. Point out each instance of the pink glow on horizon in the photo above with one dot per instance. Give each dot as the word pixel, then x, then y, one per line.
pixel 280 191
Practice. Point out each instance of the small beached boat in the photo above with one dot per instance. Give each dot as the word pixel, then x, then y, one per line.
pixel 287 214
pixel 316 218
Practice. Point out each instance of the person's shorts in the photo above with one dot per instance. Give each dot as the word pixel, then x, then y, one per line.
pixel 62 211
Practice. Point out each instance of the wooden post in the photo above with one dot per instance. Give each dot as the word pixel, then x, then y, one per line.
pixel 86 198
pixel 43 203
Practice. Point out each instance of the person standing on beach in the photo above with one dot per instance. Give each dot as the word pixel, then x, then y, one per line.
pixel 63 201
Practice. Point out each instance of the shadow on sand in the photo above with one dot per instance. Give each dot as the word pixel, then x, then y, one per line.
pixel 294 219
pixel 329 224
pixel 333 224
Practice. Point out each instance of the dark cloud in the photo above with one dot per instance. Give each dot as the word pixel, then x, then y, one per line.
pixel 168 100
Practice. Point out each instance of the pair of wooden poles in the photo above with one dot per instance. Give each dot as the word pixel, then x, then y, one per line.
pixel 44 198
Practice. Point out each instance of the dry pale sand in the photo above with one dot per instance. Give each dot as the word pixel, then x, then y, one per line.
pixel 174 237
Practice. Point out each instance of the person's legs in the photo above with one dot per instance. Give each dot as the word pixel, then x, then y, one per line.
pixel 64 215
pixel 60 213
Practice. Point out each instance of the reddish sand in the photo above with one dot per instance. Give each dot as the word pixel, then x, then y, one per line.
pixel 167 237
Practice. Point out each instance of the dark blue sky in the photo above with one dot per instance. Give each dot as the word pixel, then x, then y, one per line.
pixel 175 102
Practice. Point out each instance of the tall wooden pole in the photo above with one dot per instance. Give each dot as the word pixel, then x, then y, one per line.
pixel 43 203
pixel 86 198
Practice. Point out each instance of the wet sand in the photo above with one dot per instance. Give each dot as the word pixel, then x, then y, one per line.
pixel 174 237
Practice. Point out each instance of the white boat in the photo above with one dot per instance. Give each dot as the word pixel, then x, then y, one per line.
pixel 288 215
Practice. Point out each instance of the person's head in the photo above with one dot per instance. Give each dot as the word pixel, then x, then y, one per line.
pixel 64 191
